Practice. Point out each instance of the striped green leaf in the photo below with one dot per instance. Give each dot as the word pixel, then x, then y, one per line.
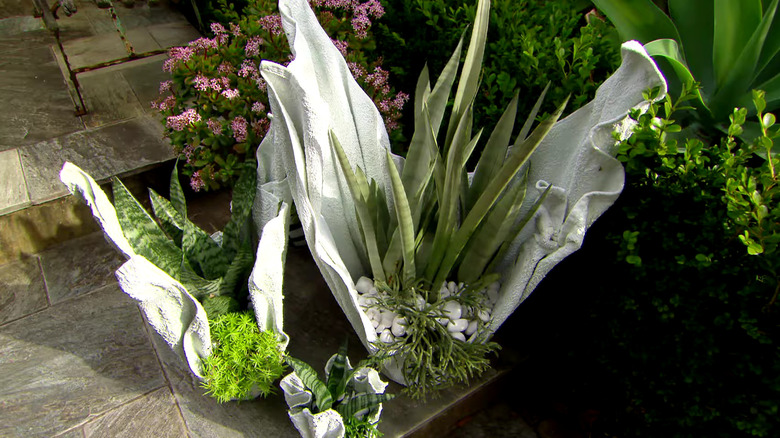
pixel 238 229
pixel 143 233
pixel 405 223
pixel 204 254
pixel 361 402
pixel 177 194
pixel 339 374
pixel 363 215
pixel 515 161
pixel 308 376
pixel 237 272
pixel 197 286
pixel 170 220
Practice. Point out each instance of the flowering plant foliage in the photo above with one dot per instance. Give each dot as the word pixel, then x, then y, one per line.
pixel 215 105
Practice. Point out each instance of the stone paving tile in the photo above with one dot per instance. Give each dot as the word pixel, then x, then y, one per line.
pixel 70 362
pixel 11 8
pixel 73 433
pixel 36 103
pixel 13 190
pixel 173 34
pixel 110 150
pixel 144 77
pixel 68 276
pixel 153 415
pixel 23 32
pixel 142 40
pixel 22 289
pixel 108 98
pixel 497 421
pixel 94 50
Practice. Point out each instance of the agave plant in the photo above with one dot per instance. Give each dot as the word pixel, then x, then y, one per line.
pixel 730 47
pixel 348 403
pixel 412 224
pixel 191 285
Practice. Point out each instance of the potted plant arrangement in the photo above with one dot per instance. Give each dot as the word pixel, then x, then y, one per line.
pixel 348 403
pixel 198 291
pixel 413 225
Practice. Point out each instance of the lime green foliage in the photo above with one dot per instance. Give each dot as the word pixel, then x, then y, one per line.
pixel 683 335
pixel 434 359
pixel 531 43
pixel 215 105
pixel 183 250
pixel 731 47
pixel 244 360
pixel 337 392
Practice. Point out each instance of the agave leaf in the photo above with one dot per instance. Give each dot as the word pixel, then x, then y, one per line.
pixel 381 216
pixel 771 48
pixel 364 216
pixel 743 69
pixel 515 231
pixel 322 396
pixel 203 252
pixel 529 122
pixel 169 218
pixel 437 102
pixel 638 19
pixel 143 233
pixel 339 375
pixel 694 20
pixel 491 234
pixel 237 229
pixel 772 88
pixel 421 92
pixel 469 76
pixel 405 223
pixel 668 49
pixel 734 23
pixel 494 153
pixel 515 161
pixel 361 402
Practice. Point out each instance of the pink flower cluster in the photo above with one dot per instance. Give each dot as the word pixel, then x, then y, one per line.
pixel 362 12
pixel 253 46
pixel 341 45
pixel 177 55
pixel 178 123
pixel 248 69
pixel 230 93
pixel 378 80
pixel 258 107
pixel 165 103
pixel 196 181
pixel 203 83
pixel 239 126
pixel 271 23
pixel 215 126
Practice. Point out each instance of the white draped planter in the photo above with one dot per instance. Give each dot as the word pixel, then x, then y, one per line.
pixel 316 93
pixel 169 307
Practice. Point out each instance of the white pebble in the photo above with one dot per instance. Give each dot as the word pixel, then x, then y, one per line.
pixel 492 295
pixel 419 302
pixel 458 335
pixel 457 325
pixel 372 292
pixel 443 321
pixel 444 292
pixel 373 314
pixel 364 284
pixel 452 287
pixel 453 310
pixel 399 326
pixel 471 328
pixel 375 323
pixel 388 317
pixel 387 337
pixel 484 315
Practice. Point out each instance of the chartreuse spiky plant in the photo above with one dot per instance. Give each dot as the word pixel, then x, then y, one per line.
pixel 444 223
pixel 215 271
pixel 337 393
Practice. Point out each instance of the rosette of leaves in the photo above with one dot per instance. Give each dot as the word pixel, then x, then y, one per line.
pixel 353 397
pixel 414 223
pixel 241 361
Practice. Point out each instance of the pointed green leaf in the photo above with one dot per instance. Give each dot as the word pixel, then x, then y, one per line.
pixel 529 122
pixel 361 402
pixel 170 220
pixel 494 153
pixel 669 50
pixel 143 233
pixel 437 102
pixel 694 20
pixel 237 272
pixel 638 20
pixel 405 223
pixel 309 377
pixel 363 215
pixel 238 229
pixel 203 253
pixel 177 194
pixel 338 376
pixel 734 23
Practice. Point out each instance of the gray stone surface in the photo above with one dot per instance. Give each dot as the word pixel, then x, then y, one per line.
pixel 108 97
pixel 144 77
pixel 173 34
pixel 36 103
pixel 11 8
pixel 153 415
pixel 22 289
pixel 497 421
pixel 71 362
pixel 94 50
pixel 111 150
pixel 13 189
pixel 68 276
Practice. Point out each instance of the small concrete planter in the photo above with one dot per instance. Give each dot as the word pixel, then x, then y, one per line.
pixel 172 310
